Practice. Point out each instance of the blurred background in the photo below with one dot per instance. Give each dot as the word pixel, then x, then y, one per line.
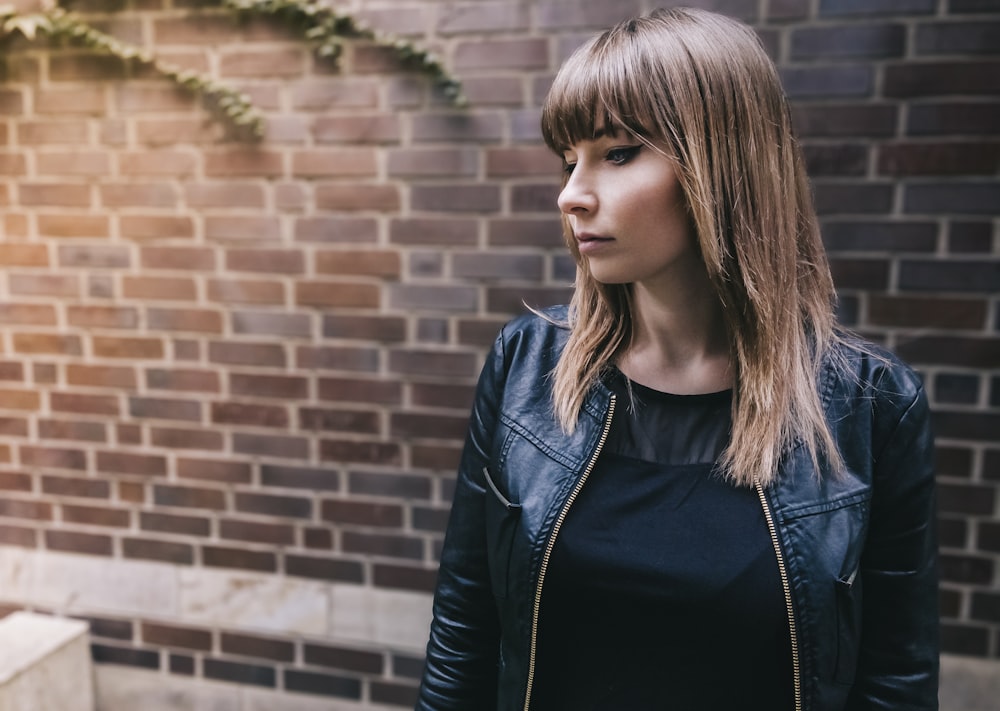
pixel 235 371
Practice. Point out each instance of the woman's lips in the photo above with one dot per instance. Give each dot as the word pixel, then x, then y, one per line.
pixel 589 243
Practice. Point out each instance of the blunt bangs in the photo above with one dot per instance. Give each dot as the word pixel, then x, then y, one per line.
pixel 598 91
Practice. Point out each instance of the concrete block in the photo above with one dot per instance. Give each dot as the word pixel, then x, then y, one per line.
pixel 969 684
pixel 45 664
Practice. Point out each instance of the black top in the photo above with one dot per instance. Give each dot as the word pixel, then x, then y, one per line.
pixel 663 590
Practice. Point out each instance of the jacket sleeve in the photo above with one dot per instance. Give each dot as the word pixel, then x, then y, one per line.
pixel 898 661
pixel 462 653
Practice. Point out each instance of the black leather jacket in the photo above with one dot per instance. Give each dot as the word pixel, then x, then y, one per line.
pixel 856 551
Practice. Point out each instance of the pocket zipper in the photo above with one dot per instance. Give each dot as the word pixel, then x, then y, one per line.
pixel 511 507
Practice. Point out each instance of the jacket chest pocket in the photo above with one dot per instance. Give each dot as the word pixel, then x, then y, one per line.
pixel 502 518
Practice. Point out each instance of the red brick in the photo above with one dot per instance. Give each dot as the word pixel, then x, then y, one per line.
pixel 452 127
pixel 94 256
pixel 12 164
pixel 434 231
pixel 174 523
pixel 538 197
pixel 131 463
pixel 332 294
pixel 334 93
pixel 256 415
pixel 316 419
pixel 520 53
pixel 102 317
pixel 340 162
pixel 393 692
pixel 927 312
pixel 953 197
pixel 53 343
pixel 179 258
pixel 16 508
pixel 456 198
pixel 189 497
pixel 325 479
pixel 11 102
pixel 177 438
pixel 269 386
pixel 95 516
pixel 448 364
pixel 38 133
pixel 979 37
pixel 848 41
pixel 57 285
pixel 239 558
pixel 482 17
pixel 53 195
pixel 84 404
pixel 192 320
pixel 27 314
pixel 23 255
pixel 513 300
pixel 953 118
pixel 175 636
pixel 271 505
pixel 18 536
pixel 50 457
pixel 324 569
pixel 361 513
pixel 165 408
pixel 162 195
pixel 73 225
pixel 78 542
pixel 370 128
pixel 404 577
pixel 156 227
pixel 337 358
pixel 384 329
pixel 433 162
pixel 183 380
pixel 73 163
pixel 340 451
pixel 226 195
pixel 248 229
pixel 946 158
pixel 917 79
pixel 280 447
pixel 245 353
pixel 159 288
pixel 85 100
pixel 16 481
pixel 165 551
pixel 271 261
pixel 262 647
pixel 291 325
pixel 243 162
pixel 117 377
pixel 357 197
pixel 256 532
pixel 75 487
pixel 246 291
pixel 875 7
pixel 159 164
pixel 80 431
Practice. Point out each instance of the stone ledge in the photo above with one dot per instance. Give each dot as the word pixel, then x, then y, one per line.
pixel 44 664
pixel 969 683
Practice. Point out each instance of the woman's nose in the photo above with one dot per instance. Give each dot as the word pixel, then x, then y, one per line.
pixel 577 195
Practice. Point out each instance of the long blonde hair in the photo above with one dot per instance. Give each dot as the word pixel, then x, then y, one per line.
pixel 702 85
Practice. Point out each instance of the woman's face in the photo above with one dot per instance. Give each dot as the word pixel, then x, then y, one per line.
pixel 626 208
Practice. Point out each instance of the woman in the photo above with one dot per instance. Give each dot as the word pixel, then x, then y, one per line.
pixel 690 489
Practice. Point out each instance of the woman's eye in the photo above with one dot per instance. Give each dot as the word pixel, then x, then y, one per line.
pixel 620 156
pixel 568 167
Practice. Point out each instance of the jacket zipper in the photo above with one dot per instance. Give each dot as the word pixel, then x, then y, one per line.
pixel 782 571
pixel 551 543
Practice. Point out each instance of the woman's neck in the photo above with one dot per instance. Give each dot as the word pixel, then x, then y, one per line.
pixel 680 342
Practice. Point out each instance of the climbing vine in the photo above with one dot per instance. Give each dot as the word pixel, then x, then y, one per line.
pixel 323 27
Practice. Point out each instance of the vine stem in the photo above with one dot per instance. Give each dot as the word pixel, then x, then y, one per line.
pixel 322 26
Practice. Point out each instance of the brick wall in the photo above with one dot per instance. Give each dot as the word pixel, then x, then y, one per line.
pixel 234 378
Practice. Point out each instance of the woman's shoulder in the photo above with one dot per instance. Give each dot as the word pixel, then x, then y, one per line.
pixel 539 333
pixel 857 368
